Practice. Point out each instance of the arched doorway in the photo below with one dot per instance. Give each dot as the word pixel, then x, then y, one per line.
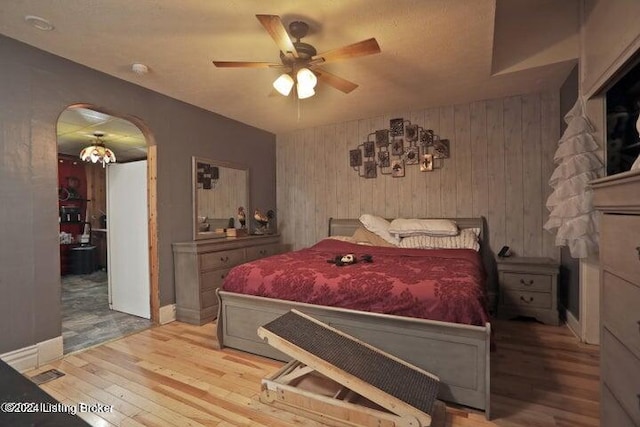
pixel 86 228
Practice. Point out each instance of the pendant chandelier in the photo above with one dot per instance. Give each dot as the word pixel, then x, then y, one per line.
pixel 97 152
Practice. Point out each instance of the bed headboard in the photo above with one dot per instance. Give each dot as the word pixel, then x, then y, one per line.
pixel 346 227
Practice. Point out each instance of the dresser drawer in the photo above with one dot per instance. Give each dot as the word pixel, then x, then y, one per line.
pixel 213 279
pixel 621 242
pixel 222 259
pixel 621 310
pixel 621 373
pixel 208 299
pixel 262 251
pixel 527 281
pixel 514 297
pixel 612 413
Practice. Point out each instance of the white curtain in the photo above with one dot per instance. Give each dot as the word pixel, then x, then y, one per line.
pixel 570 204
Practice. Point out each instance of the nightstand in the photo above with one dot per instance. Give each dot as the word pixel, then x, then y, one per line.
pixel 529 287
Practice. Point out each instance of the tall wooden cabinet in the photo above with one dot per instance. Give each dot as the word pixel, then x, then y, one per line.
pixel 201 266
pixel 618 198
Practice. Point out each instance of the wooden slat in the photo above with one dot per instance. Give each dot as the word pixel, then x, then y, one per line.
pixel 449 190
pixel 496 174
pixel 462 152
pixel 479 160
pixel 433 178
pixel 154 254
pixel 514 196
pixel 531 175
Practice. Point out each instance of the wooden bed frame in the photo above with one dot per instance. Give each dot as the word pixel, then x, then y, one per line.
pixel 457 353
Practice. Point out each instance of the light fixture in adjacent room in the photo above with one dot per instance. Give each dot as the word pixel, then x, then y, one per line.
pixel 97 152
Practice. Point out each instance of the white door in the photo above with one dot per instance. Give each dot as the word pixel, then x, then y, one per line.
pixel 128 238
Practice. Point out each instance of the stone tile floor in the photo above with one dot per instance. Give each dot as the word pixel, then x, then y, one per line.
pixel 86 317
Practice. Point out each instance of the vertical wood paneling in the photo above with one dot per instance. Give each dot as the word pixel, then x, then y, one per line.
pixel 495 175
pixel 448 185
pixel 418 188
pixel 479 159
pixel 433 178
pixel 501 160
pixel 355 208
pixel 531 174
pixel 513 173
pixel 462 155
pixel 550 134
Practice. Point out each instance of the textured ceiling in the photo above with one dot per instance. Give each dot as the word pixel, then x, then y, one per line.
pixel 434 52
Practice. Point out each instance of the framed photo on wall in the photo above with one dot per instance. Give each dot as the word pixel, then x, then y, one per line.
pixel 397 168
pixel 397 147
pixel 369 149
pixel 426 163
pixel 370 169
pixel 412 155
pixel 355 158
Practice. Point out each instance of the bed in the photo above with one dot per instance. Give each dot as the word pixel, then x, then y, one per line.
pixel 457 352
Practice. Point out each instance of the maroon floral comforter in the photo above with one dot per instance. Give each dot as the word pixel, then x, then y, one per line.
pixel 446 285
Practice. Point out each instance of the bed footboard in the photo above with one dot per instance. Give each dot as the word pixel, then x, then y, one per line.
pixel 458 354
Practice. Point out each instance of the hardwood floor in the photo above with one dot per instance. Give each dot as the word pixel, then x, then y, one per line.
pixel 172 375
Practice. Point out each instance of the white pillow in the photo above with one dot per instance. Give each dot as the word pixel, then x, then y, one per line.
pixel 467 239
pixel 432 227
pixel 379 226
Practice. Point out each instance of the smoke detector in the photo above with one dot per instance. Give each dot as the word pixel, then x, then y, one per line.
pixel 38 23
pixel 139 69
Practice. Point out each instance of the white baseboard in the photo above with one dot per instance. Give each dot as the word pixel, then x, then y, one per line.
pixel 573 324
pixel 167 314
pixel 35 355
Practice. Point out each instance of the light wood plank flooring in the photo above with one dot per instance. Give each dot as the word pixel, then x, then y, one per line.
pixel 172 375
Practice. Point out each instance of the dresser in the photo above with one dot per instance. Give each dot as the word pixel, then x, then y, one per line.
pixel 529 287
pixel 618 198
pixel 201 266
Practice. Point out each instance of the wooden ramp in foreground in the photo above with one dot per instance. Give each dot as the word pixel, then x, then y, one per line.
pixel 342 381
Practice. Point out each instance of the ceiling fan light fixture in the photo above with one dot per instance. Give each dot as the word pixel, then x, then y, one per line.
pixel 307 78
pixel 283 84
pixel 305 91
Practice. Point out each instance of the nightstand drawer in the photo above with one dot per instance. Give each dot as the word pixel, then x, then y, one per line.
pixel 526 299
pixel 527 282
pixel 222 259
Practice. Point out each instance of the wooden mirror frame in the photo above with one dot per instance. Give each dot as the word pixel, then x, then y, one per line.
pixel 201 235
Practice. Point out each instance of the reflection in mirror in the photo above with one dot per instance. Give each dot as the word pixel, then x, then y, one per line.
pixel 219 190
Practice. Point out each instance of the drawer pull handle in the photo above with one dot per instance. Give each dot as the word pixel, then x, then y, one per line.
pixel 526 283
pixel 528 301
pixel 638 250
pixel 222 276
pixel 263 252
pixel 224 259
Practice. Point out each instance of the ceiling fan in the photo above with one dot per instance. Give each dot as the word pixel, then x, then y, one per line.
pixel 300 62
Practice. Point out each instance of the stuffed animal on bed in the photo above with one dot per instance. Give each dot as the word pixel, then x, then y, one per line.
pixel 348 259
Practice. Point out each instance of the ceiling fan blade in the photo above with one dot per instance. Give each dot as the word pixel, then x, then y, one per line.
pixel 241 64
pixel 365 47
pixel 278 33
pixel 331 79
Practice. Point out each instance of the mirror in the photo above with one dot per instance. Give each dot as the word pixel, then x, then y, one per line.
pixel 219 189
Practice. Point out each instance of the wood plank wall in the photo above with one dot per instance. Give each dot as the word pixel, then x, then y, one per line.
pixel 501 160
